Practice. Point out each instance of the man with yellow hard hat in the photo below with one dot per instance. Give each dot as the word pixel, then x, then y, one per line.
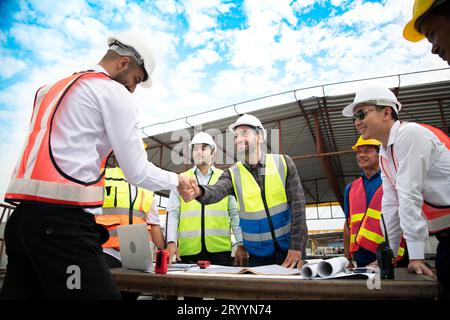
pixel 362 207
pixel 431 20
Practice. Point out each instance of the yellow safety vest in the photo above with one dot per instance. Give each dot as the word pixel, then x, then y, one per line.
pixel 116 205
pixel 256 210
pixel 213 219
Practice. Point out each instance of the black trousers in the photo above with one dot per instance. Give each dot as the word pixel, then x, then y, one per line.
pixel 443 263
pixel 55 253
pixel 115 263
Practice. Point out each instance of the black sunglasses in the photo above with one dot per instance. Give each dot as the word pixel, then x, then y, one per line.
pixel 361 114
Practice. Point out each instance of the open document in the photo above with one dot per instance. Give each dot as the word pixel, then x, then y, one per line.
pixel 313 269
pixel 272 269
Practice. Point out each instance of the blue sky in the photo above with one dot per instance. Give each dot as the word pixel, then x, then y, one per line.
pixel 209 53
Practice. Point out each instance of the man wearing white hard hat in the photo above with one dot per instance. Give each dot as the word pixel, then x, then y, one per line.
pixel 52 240
pixel 431 20
pixel 269 195
pixel 415 169
pixel 202 232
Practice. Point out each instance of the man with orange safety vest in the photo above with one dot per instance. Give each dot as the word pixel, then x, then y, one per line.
pixel 52 240
pixel 431 20
pixel 119 197
pixel 415 164
pixel 362 207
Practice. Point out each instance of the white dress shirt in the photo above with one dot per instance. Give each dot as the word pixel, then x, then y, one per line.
pixel 423 174
pixel 173 209
pixel 95 116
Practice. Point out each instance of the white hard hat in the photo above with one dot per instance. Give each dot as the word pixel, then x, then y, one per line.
pixel 248 120
pixel 203 138
pixel 373 94
pixel 143 53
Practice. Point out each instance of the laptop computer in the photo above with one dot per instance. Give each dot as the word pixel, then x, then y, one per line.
pixel 135 250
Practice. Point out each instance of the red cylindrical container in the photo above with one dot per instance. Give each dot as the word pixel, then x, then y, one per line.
pixel 162 260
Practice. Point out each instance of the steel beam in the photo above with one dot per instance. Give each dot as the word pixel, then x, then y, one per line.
pixel 444 122
pixel 326 163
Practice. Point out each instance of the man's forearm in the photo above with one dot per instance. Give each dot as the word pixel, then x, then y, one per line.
pixel 216 192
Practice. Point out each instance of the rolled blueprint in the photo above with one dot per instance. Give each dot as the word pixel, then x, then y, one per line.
pixel 309 270
pixel 330 267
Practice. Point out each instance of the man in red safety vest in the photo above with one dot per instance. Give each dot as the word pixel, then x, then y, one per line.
pixel 362 207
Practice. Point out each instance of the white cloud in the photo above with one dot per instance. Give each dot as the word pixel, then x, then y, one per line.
pixel 201 17
pixel 269 55
pixel 11 66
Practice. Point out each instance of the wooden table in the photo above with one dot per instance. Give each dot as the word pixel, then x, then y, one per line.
pixel 246 286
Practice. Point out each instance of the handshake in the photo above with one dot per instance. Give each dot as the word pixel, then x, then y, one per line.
pixel 188 188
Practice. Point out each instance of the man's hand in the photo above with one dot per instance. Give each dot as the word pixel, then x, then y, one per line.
pixel 293 257
pixel 173 250
pixel 188 188
pixel 241 257
pixel 418 266
pixel 350 264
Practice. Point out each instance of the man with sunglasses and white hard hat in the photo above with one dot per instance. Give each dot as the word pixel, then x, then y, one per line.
pixel 269 194
pixel 415 169
pixel 431 20
pixel 52 240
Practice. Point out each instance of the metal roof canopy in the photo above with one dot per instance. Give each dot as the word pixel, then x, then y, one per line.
pixel 312 131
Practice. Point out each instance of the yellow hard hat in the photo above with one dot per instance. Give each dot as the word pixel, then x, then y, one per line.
pixel 368 142
pixel 420 8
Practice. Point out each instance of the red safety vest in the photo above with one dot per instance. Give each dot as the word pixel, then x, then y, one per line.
pixel 37 177
pixel 437 217
pixel 401 250
pixel 363 220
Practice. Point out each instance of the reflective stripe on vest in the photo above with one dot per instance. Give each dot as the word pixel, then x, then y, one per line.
pixel 36 177
pixel 365 230
pixel 437 217
pixel 116 207
pixel 253 216
pixel 216 223
pixel 401 250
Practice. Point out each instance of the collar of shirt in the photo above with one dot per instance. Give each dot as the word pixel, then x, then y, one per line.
pixel 377 174
pixel 99 68
pixel 203 178
pixel 261 163
pixel 391 140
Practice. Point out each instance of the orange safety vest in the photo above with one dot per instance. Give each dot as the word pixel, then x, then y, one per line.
pixel 37 177
pixel 437 217
pixel 364 221
pixel 116 206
